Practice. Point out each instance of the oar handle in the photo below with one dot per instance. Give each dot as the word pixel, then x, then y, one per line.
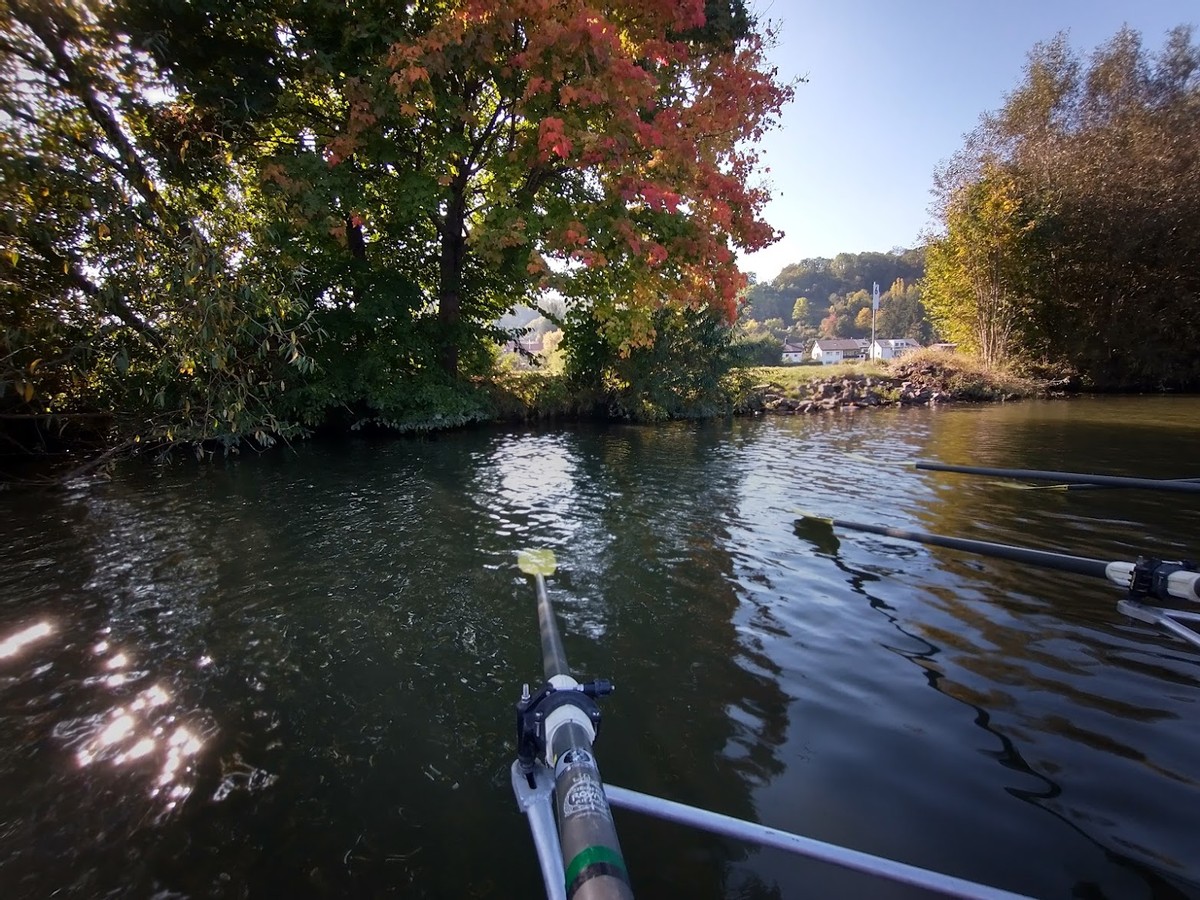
pixel 1182 584
pixel 560 722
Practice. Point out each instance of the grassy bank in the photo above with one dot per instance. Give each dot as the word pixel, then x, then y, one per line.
pixel 926 373
pixel 531 396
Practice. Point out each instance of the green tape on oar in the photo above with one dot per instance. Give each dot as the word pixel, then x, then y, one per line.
pixel 593 861
pixel 537 562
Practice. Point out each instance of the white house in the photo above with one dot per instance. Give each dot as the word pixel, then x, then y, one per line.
pixel 831 351
pixel 793 353
pixel 892 348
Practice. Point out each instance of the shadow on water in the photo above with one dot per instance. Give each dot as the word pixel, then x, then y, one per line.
pixel 924 654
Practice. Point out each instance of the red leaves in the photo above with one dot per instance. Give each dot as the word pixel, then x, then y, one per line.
pixel 573 235
pixel 631 144
pixel 659 198
pixel 689 14
pixel 552 140
pixel 537 85
pixel 656 255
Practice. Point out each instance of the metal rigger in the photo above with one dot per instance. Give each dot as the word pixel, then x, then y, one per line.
pixel 557 785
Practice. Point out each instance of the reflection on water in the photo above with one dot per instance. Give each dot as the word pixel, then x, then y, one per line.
pixel 293 675
pixel 13 644
pixel 144 728
pixel 1040 790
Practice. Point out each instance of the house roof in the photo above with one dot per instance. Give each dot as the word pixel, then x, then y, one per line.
pixel 529 345
pixel 792 348
pixel 839 344
pixel 896 342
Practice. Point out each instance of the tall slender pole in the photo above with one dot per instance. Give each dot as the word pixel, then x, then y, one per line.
pixel 874 309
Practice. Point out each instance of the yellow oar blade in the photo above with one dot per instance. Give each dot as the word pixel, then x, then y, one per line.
pixel 537 562
pixel 805 514
pixel 819 532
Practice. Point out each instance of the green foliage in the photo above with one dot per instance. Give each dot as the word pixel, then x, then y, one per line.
pixel 826 296
pixel 758 343
pixel 125 282
pixel 761 351
pixel 976 277
pixel 802 312
pixel 242 221
pixel 902 313
pixel 1080 200
pixel 533 395
pixel 677 375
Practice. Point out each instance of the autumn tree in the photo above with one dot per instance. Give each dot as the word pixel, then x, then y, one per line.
pixel 801 311
pixel 820 280
pixel 974 287
pixel 902 314
pixel 232 219
pixel 599 150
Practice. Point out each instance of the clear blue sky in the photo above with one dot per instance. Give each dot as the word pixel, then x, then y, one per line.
pixel 892 88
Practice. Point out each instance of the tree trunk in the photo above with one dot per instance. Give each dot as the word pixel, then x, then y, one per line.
pixel 453 251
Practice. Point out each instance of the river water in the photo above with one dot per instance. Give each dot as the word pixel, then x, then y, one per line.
pixel 293 675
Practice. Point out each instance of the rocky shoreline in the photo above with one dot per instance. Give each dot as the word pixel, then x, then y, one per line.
pixel 854 392
pixel 910 384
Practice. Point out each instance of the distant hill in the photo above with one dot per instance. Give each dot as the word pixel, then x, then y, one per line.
pixel 824 281
pixel 518 318
pixel 521 316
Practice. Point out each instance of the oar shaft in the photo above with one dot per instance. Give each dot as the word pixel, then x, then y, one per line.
pixel 1079 565
pixel 592 864
pixel 1120 481
pixel 554 656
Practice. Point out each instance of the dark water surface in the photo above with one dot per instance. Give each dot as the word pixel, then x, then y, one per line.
pixel 293 675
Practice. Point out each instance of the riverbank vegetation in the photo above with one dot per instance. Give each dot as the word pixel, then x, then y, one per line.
pixel 924 377
pixel 229 225
pixel 223 223
pixel 831 298
pixel 1071 219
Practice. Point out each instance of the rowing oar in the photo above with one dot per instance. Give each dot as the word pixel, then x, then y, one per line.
pixel 1180 485
pixel 1145 578
pixel 555 729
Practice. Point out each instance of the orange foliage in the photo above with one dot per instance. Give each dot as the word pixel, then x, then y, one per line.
pixel 653 132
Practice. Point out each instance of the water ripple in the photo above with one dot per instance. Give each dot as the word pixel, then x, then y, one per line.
pixel 294 675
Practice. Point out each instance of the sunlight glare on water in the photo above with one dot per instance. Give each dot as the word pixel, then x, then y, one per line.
pixel 14 643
